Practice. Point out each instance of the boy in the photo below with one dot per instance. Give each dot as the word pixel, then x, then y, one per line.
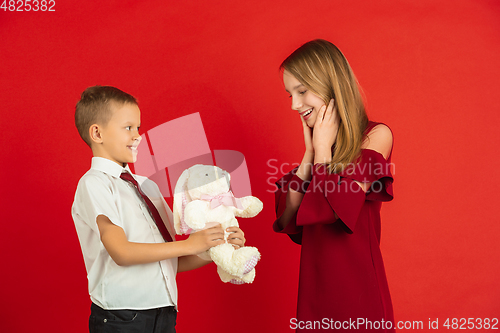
pixel 128 249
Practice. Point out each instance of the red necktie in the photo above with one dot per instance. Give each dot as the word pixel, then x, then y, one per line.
pixel 152 209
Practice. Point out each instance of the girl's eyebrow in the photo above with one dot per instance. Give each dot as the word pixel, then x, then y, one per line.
pixel 296 87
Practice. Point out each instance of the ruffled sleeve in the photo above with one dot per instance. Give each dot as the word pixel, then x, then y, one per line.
pixel 290 179
pixel 373 168
pixel 328 193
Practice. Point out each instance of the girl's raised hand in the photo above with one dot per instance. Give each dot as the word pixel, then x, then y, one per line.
pixel 308 136
pixel 325 132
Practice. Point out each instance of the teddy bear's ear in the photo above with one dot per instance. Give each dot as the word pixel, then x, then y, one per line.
pixel 181 198
pixel 227 175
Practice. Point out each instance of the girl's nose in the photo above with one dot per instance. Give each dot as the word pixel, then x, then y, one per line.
pixel 297 103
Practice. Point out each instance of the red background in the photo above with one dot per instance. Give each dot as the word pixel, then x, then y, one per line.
pixel 429 69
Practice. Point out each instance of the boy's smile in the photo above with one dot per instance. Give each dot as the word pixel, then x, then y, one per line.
pixel 120 136
pixel 133 147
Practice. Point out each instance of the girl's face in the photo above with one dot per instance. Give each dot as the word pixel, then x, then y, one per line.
pixel 304 101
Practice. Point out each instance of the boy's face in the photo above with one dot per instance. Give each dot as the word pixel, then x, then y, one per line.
pixel 120 136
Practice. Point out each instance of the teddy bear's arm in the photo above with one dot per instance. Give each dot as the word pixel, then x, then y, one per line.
pixel 251 207
pixel 195 214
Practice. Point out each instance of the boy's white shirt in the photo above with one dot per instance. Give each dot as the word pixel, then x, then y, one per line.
pixel 101 191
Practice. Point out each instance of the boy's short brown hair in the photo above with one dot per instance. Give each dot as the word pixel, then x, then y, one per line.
pixel 94 107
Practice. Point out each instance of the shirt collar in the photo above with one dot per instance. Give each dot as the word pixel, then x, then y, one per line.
pixel 108 166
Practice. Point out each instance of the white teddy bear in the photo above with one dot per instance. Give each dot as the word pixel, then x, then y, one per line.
pixel 202 196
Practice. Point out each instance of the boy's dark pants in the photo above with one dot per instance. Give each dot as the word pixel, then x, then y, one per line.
pixel 129 321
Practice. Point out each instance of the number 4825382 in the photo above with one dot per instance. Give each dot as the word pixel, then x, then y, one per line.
pixel 471 323
pixel 28 6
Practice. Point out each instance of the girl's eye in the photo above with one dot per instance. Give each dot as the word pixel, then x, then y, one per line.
pixel 302 92
pixel 128 128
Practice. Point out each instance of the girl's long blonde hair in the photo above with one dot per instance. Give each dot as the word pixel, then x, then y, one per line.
pixel 322 68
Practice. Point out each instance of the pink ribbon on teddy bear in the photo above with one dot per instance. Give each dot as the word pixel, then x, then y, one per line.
pixel 227 199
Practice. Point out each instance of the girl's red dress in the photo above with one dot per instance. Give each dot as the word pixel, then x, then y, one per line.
pixel 342 276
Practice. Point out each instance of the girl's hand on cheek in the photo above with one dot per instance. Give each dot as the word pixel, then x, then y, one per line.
pixel 325 132
pixel 308 136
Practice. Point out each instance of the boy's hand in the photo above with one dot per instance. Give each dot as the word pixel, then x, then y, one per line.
pixel 236 237
pixel 204 239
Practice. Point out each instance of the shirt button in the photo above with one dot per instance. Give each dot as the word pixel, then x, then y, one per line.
pixel 105 320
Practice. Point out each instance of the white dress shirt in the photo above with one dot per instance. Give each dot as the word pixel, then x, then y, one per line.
pixel 101 191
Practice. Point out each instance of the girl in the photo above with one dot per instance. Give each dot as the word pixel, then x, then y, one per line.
pixel 330 204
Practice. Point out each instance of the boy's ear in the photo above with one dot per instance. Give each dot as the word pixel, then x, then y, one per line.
pixel 95 133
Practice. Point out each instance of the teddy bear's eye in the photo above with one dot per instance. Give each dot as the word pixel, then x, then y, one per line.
pixel 206 174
